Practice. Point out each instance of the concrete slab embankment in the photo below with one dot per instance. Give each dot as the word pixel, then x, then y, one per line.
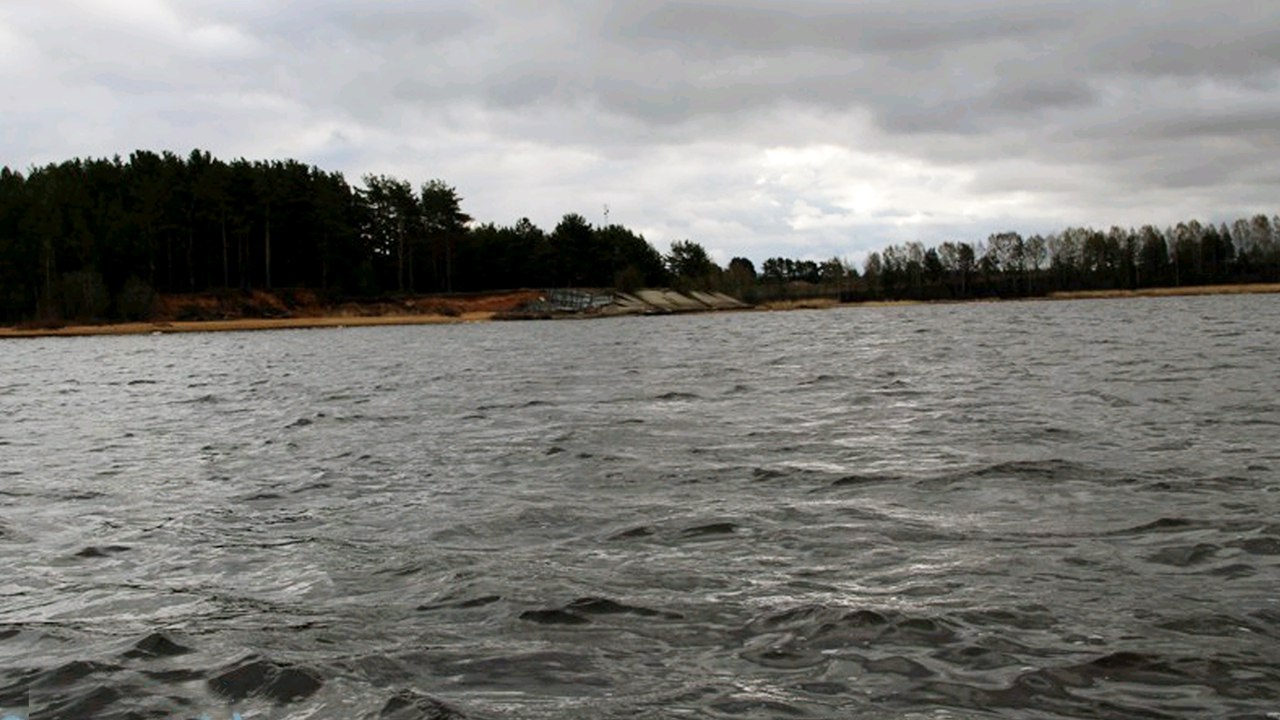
pixel 718 300
pixel 670 300
pixel 627 304
pixel 651 301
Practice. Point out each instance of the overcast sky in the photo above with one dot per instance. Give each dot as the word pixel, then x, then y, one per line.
pixel 804 128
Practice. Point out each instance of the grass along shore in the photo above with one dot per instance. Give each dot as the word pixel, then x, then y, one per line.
pixel 821 303
pixel 1246 289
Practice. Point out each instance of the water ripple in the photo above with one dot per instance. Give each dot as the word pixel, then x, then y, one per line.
pixel 1050 510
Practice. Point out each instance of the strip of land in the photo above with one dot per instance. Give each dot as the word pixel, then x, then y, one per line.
pixel 241 324
pixel 1247 289
pixel 299 309
pixel 294 309
pixel 217 313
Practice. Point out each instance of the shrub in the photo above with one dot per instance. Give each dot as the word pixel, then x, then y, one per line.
pixel 629 280
pixel 136 300
pixel 83 295
pixel 191 312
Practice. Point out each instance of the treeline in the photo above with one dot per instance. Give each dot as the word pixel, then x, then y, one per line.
pixel 96 239
pixel 1008 265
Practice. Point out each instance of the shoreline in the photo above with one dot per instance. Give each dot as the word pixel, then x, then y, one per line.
pixel 1154 292
pixel 162 327
pixel 1188 290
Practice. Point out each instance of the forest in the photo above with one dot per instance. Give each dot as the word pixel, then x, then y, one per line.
pixel 97 239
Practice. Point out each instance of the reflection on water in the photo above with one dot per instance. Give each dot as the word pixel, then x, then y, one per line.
pixel 1029 509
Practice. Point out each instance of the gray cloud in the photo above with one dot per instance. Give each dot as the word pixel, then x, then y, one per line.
pixel 757 127
pixel 759 26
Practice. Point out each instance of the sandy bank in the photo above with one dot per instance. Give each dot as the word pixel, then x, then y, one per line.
pixel 241 324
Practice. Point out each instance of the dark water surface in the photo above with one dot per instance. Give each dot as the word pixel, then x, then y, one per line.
pixel 1022 510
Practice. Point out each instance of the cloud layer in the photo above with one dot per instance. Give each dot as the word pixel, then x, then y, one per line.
pixel 756 127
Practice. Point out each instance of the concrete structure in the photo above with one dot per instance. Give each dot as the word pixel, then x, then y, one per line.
pixel 652 301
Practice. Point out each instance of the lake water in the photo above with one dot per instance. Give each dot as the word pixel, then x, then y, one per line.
pixel 1020 510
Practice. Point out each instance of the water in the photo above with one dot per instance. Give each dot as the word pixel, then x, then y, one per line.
pixel 1021 510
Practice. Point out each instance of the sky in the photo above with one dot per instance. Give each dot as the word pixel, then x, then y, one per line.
pixel 757 128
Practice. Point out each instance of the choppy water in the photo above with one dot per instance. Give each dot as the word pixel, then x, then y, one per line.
pixel 1023 510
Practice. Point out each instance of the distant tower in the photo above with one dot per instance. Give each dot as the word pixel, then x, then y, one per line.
pixel 606 214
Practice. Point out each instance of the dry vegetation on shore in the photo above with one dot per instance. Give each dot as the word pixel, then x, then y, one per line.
pixel 222 312
pixel 270 311
pixel 1249 289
